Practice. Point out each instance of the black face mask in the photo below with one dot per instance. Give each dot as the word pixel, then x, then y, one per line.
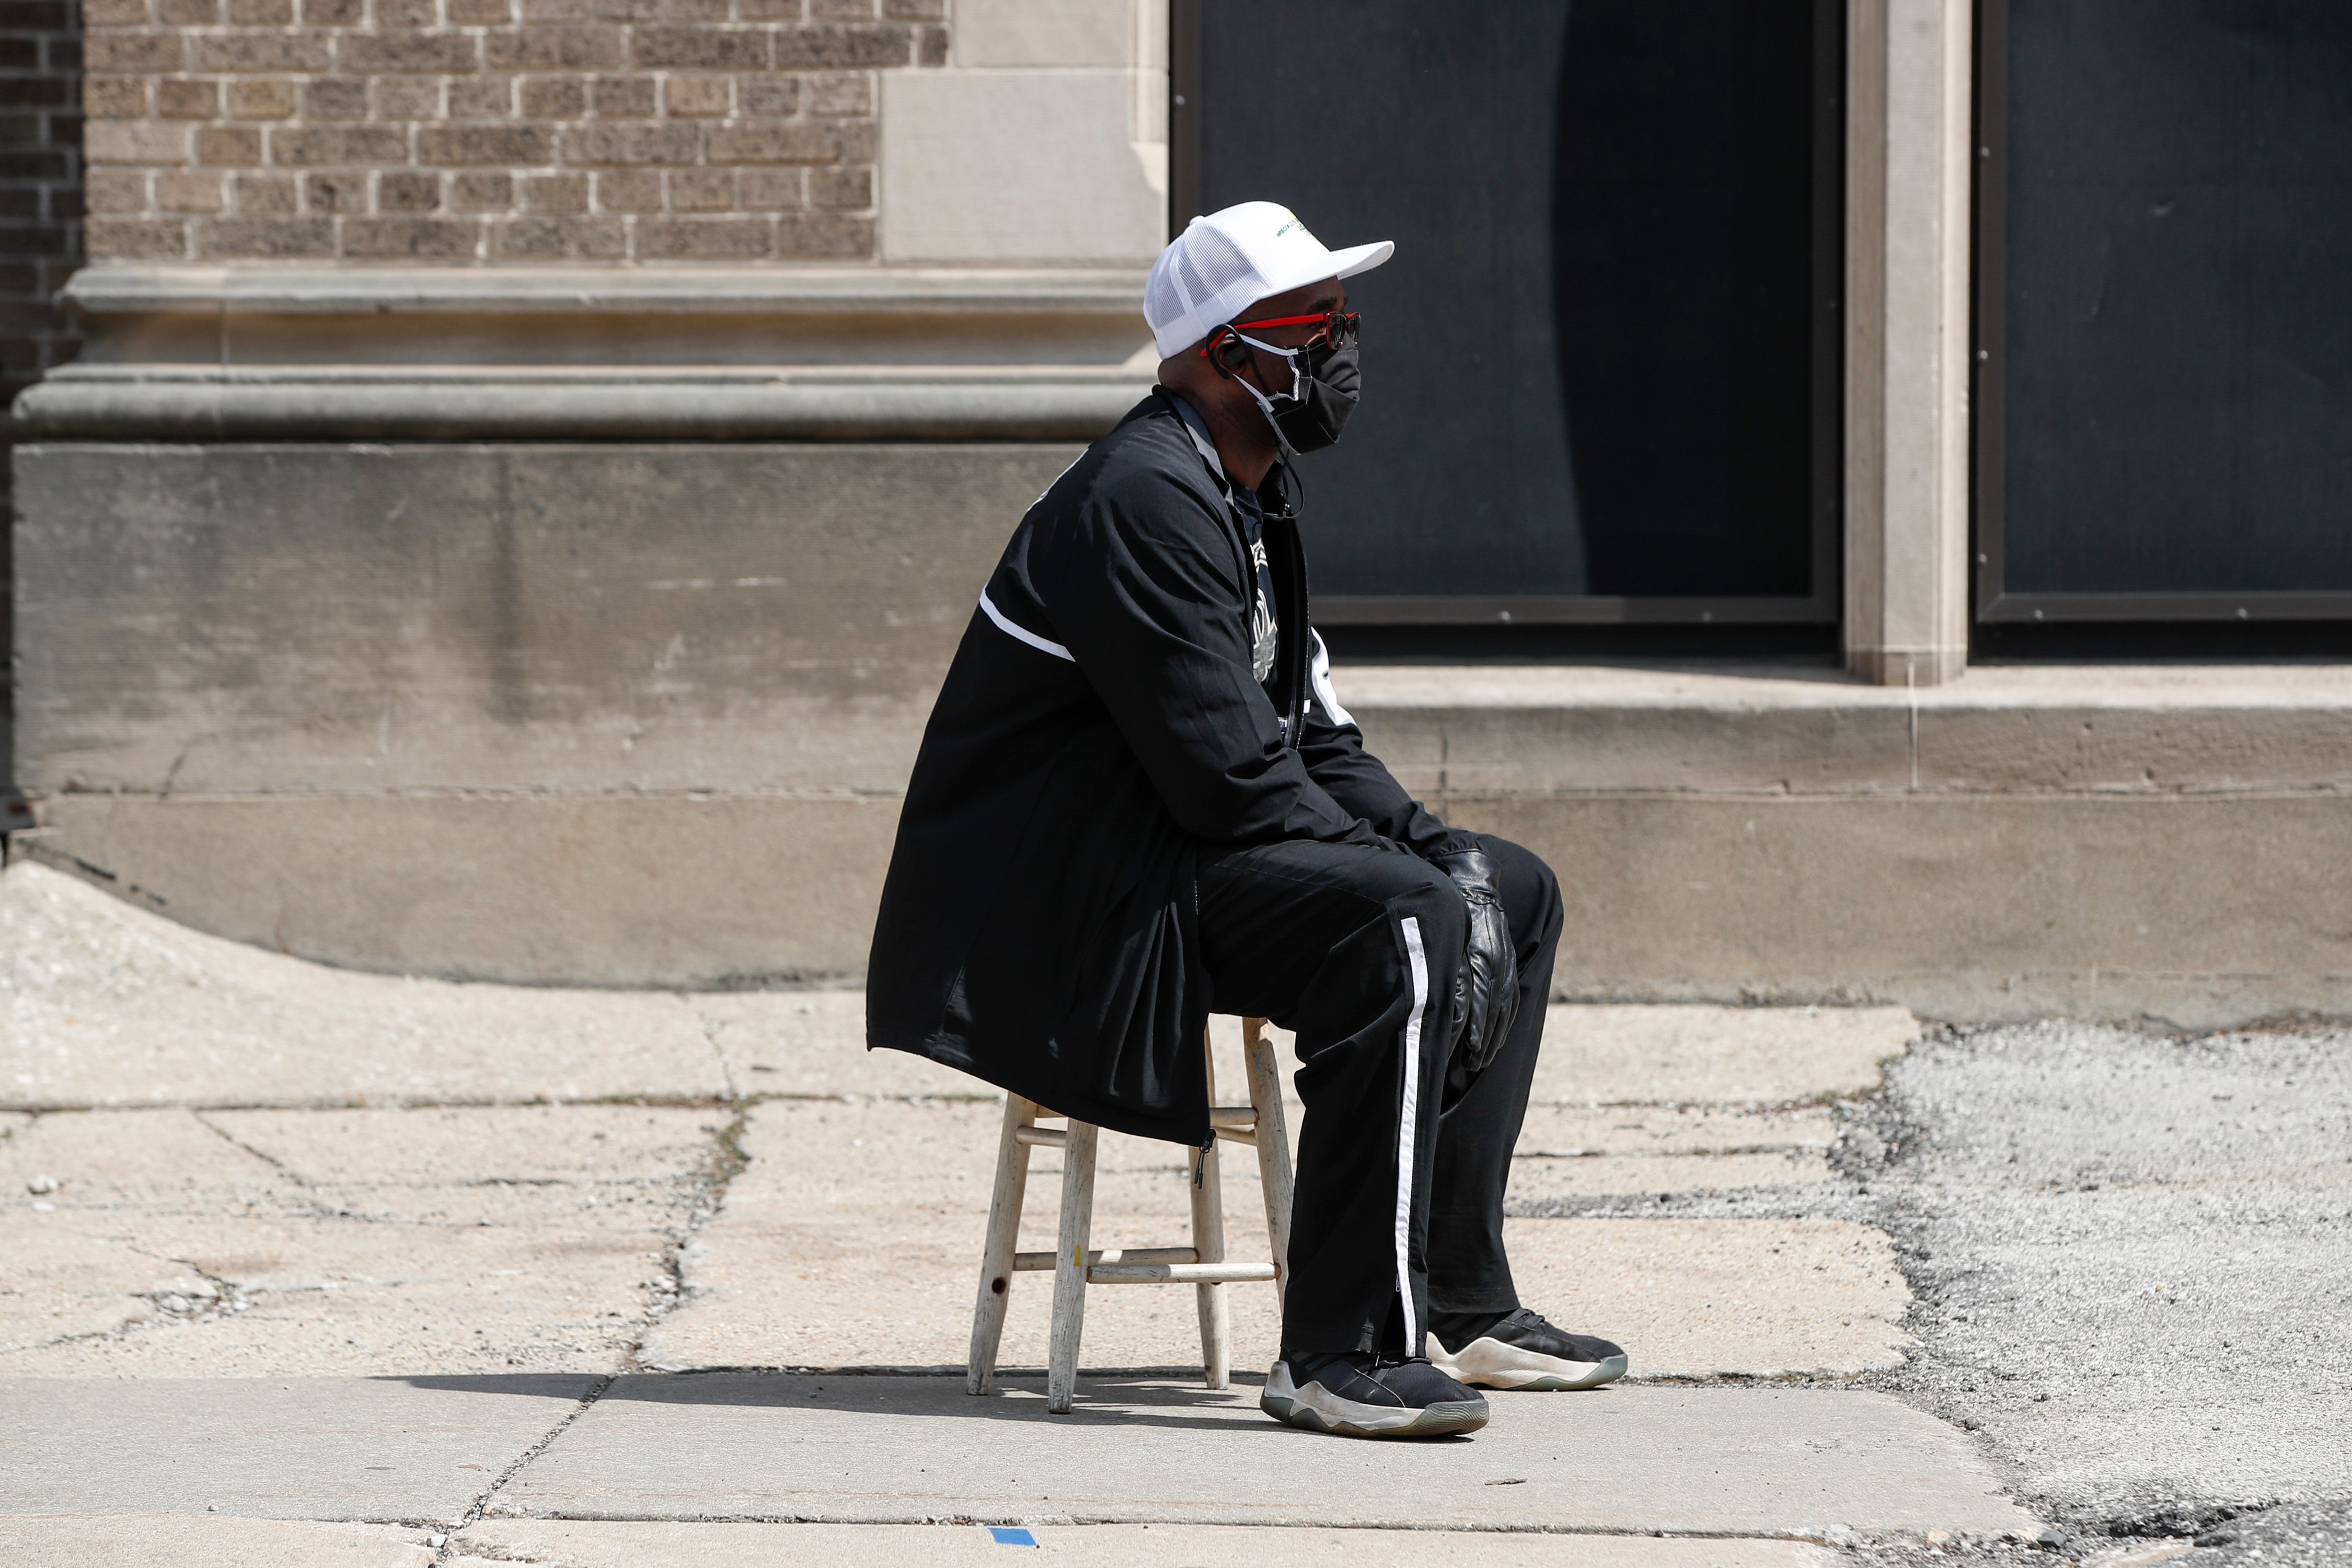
pixel 1323 391
pixel 1327 391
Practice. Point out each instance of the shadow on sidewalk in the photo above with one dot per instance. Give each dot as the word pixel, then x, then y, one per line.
pixel 1125 1397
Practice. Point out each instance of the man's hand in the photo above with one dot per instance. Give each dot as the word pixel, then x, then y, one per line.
pixel 1486 995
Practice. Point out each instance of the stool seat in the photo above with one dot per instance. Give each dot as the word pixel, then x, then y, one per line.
pixel 1202 1265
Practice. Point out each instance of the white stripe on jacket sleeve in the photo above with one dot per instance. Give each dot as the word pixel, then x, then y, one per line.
pixel 1324 693
pixel 1408 1116
pixel 1021 634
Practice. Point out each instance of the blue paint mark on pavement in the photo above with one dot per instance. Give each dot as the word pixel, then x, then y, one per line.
pixel 1012 1535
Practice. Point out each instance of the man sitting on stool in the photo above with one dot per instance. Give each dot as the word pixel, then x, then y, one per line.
pixel 1138 801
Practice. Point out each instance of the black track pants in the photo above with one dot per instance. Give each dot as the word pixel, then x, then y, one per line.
pixel 1402 1155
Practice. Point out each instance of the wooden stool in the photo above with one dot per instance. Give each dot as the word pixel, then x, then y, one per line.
pixel 1201 1264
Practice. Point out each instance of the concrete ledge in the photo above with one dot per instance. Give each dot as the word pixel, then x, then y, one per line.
pixel 248 315
pixel 2105 729
pixel 160 403
pixel 2195 909
pixel 125 289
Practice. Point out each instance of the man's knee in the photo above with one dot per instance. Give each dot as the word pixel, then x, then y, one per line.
pixel 1530 891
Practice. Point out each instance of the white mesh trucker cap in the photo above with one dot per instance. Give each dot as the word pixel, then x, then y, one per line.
pixel 1231 259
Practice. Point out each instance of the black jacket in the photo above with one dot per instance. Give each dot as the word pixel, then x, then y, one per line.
pixel 1099 730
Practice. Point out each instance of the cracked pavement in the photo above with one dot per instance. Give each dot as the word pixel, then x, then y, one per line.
pixel 321 1267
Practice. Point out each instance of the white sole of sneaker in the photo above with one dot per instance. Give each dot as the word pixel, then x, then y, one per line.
pixel 1317 1409
pixel 1491 1363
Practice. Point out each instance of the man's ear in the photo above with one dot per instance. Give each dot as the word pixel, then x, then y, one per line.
pixel 1226 351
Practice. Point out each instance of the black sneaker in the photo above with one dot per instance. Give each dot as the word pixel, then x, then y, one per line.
pixel 1520 1350
pixel 1357 1395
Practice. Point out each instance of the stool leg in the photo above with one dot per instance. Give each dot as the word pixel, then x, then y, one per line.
pixel 1070 1265
pixel 1209 1241
pixel 1004 1238
pixel 1273 1145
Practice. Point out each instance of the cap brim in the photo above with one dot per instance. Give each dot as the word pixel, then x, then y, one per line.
pixel 1362 258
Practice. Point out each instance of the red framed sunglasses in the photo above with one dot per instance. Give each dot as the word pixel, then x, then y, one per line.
pixel 1341 328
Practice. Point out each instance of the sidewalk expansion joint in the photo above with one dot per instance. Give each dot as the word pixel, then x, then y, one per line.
pixel 481 1503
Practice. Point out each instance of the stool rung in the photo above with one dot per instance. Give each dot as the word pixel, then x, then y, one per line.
pixel 1242 1117
pixel 1177 1273
pixel 1039 1262
pixel 1043 1138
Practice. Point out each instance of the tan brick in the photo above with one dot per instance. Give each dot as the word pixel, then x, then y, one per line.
pixel 335 98
pixel 931 48
pixel 317 146
pixel 134 142
pixel 780 141
pixel 843 44
pixel 705 239
pixel 406 97
pixel 261 13
pixel 228 146
pixel 639 142
pixel 188 13
pixel 180 191
pixel 116 193
pixel 699 96
pixel 768 96
pixel 407 191
pixel 114 97
pixel 407 16
pixel 264 237
pixel 481 98
pixel 769 10
pixel 708 49
pixel 133 52
pixel 559 239
pixel 660 10
pixel 333 13
pixel 188 98
pixel 509 145
pixel 559 10
pixel 134 239
pixel 264 100
pixel 629 191
pixel 113 12
pixel 555 48
pixel 860 141
pixel 416 238
pixel 257 52
pixel 407 52
pixel 701 189
pixel 841 10
pixel 625 97
pixel 481 13
pixel 344 190
pixel 845 188
pixel 823 235
pixel 481 191
pixel 840 92
pixel 269 195
pixel 771 189
pixel 554 98
pixel 915 10
pixel 556 196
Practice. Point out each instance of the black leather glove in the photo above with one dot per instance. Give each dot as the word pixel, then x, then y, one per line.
pixel 1486 991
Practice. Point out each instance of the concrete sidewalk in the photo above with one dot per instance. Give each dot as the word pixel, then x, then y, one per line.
pixel 354 1253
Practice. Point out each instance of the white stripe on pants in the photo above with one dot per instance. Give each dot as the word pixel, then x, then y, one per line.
pixel 1407 1117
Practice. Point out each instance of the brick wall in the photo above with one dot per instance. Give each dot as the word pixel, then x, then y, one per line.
pixel 491 131
pixel 40 241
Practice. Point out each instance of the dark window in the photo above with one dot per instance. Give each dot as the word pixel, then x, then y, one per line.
pixel 1600 373
pixel 2165 310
